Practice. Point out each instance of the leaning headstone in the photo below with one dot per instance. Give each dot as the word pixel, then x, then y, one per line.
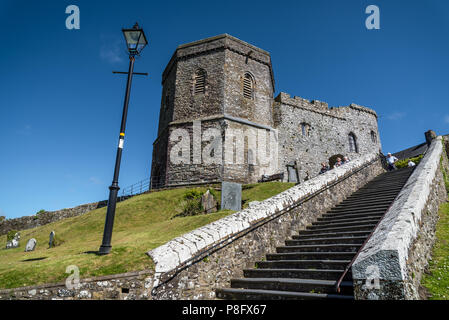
pixel 31 244
pixel 14 243
pixel 231 196
pixel 208 202
pixel 52 239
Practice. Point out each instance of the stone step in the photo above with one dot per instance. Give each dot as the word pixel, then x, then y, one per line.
pixel 322 274
pixel 373 197
pixel 354 211
pixel 329 224
pixel 362 202
pixel 360 227
pixel 338 247
pixel 304 264
pixel 250 294
pixel 349 217
pixel 318 241
pixel 286 284
pixel 313 235
pixel 382 186
pixel 361 207
pixel 377 191
pixel 311 256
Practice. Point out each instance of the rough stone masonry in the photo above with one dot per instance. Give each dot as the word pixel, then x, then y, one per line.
pixel 222 84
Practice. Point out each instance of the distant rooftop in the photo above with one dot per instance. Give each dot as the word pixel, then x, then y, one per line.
pixel 411 152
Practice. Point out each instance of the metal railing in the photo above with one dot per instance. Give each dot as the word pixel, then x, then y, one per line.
pixel 156 183
pixel 136 188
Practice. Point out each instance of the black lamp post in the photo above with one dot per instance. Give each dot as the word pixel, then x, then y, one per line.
pixel 136 41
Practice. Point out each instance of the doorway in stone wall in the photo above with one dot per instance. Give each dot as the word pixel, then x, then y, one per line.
pixel 333 159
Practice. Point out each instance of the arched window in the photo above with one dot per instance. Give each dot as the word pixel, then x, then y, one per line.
pixel 352 143
pixel 373 136
pixel 305 129
pixel 248 86
pixel 199 82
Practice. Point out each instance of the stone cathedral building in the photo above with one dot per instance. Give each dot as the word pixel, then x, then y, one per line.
pixel 219 121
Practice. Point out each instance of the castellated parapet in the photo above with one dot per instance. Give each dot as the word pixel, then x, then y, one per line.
pixel 219 120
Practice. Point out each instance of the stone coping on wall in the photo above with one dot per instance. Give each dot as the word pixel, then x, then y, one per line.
pixel 181 251
pixel 388 248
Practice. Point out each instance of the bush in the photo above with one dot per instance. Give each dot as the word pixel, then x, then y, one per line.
pixel 40 211
pixel 404 163
pixel 192 202
pixel 193 194
pixel 11 235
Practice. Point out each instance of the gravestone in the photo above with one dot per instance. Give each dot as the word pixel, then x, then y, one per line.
pixel 208 202
pixel 14 243
pixel 31 244
pixel 231 196
pixel 52 239
pixel 292 172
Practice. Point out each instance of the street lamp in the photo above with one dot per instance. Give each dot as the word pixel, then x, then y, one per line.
pixel 136 41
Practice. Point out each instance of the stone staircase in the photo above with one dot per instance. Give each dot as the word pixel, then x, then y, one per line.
pixel 311 263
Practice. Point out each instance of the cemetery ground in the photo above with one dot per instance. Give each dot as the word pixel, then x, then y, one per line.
pixel 142 223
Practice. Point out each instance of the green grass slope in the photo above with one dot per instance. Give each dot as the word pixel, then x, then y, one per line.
pixel 436 281
pixel 141 223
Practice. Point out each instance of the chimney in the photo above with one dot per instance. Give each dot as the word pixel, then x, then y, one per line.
pixel 430 135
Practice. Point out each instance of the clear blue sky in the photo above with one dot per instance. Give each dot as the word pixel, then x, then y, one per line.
pixel 61 106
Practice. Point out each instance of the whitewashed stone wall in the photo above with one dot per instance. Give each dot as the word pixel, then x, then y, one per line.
pixel 193 265
pixel 391 263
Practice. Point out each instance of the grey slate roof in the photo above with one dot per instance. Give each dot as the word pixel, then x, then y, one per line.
pixel 411 152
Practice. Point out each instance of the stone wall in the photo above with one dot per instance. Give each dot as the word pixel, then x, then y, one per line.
pixel 391 264
pixel 194 265
pixel 28 222
pixel 327 133
pixel 126 286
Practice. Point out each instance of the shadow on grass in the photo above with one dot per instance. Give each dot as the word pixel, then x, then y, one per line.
pixel 92 252
pixel 34 259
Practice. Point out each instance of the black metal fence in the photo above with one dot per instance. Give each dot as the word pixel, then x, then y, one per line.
pixel 136 188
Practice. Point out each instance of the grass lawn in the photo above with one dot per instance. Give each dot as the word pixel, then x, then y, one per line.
pixel 141 223
pixel 437 281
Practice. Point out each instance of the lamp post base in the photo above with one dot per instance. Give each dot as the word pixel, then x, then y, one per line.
pixel 104 250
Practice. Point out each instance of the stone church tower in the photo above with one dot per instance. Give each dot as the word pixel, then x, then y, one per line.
pixel 216 113
pixel 219 121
